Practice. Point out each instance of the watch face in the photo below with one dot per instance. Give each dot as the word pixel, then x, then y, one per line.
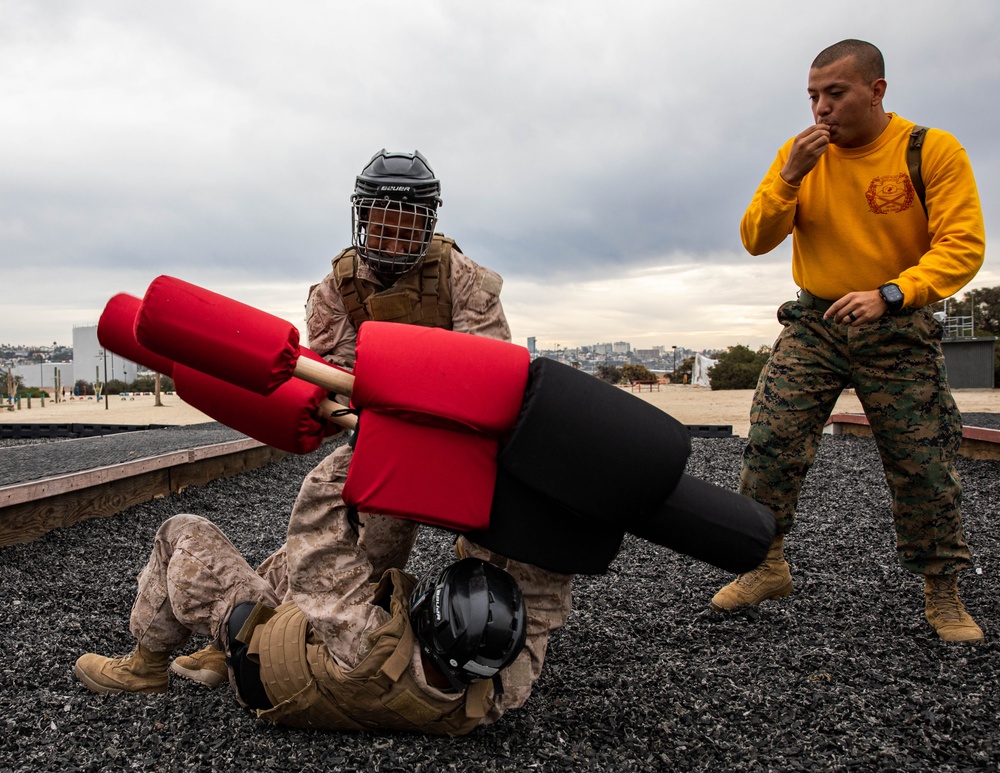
pixel 891 293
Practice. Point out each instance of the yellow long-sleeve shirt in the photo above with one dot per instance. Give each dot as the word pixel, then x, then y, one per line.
pixel 856 222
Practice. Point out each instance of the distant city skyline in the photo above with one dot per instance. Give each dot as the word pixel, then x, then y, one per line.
pixel 88 359
pixel 27 348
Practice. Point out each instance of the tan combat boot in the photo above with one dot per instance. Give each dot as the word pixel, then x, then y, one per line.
pixel 206 666
pixel 143 671
pixel 945 612
pixel 771 580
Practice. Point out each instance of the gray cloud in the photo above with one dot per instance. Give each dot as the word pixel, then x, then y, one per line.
pixel 576 141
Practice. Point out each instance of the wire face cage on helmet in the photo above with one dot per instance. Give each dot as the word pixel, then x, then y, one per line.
pixel 470 620
pixel 392 236
pixel 394 212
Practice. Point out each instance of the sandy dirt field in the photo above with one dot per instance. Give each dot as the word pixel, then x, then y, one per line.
pixel 688 404
pixel 140 409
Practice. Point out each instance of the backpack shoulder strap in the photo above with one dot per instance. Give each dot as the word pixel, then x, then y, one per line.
pixel 913 162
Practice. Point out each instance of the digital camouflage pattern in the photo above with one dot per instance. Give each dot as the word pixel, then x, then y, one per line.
pixel 192 581
pixel 897 369
pixel 475 302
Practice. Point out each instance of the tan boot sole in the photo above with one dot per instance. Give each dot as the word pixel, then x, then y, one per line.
pixel 203 676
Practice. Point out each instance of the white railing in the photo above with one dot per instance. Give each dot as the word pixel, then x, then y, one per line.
pixel 957 327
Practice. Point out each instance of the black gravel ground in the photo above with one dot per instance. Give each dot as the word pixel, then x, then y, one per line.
pixel 29 460
pixel 843 675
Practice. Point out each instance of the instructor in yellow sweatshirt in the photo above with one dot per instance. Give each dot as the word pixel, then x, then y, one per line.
pixel 868 257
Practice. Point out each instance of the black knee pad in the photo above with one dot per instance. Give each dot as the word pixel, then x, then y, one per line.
pixel 711 524
pixel 246 672
pixel 600 451
pixel 529 527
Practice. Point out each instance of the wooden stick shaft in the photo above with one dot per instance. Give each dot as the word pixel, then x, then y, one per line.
pixel 330 410
pixel 324 375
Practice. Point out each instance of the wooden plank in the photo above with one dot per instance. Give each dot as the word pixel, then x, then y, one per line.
pixel 973 448
pixel 30 510
pixel 29 520
pixel 205 471
pixel 61 484
pixel 977 442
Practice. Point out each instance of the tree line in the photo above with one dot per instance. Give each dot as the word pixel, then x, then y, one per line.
pixel 12 386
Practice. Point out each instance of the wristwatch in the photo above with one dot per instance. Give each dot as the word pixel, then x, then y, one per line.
pixel 892 296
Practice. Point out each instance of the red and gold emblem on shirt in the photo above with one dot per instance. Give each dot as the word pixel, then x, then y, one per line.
pixel 889 194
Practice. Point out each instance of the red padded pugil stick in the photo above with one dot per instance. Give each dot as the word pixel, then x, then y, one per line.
pixel 295 417
pixel 228 339
pixel 287 418
pixel 447 378
pixel 116 333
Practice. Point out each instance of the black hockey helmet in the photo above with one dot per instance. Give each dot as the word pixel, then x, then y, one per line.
pixel 394 211
pixel 470 620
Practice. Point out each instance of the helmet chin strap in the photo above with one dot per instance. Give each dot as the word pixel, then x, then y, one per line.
pixel 434 676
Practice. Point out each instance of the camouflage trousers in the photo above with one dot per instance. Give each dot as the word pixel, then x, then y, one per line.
pixel 194 578
pixel 897 369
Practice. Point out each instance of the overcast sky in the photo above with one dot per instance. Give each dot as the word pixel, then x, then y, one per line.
pixel 599 155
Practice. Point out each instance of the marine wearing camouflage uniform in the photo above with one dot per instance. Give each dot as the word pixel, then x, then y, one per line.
pixel 326 570
pixel 473 294
pixel 870 255
pixel 195 577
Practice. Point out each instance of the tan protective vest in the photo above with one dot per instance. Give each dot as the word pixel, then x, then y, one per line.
pixel 421 297
pixel 308 689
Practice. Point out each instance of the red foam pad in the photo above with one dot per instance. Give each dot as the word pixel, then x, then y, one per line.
pixel 116 332
pixel 422 473
pixel 286 419
pixel 217 335
pixel 456 377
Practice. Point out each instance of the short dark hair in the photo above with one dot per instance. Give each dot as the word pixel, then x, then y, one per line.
pixel 869 58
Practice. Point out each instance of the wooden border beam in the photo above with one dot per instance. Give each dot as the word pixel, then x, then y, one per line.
pixel 29 510
pixel 977 442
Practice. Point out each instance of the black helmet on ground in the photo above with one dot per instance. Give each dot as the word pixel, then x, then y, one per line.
pixel 470 620
pixel 394 211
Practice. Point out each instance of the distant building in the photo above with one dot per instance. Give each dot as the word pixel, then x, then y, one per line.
pixel 89 359
pixel 43 375
pixel 969 361
pixel 531 344
pixel 968 358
